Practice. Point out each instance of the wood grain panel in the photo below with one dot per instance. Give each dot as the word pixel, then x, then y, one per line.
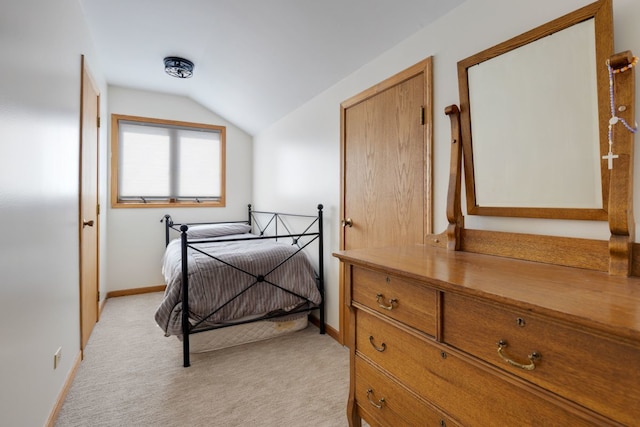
pixel 413 303
pixel 384 173
pixel 400 406
pixel 458 386
pixel 567 251
pixel 386 178
pixel 569 358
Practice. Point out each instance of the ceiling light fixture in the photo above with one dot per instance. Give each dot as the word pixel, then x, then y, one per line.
pixel 178 67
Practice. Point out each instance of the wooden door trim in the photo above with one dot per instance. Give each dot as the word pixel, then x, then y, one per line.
pixel 424 67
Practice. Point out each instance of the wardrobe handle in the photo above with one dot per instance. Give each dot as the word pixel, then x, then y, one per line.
pixel 502 344
pixel 382 348
pixel 381 303
pixel 86 223
pixel 347 222
pixel 378 404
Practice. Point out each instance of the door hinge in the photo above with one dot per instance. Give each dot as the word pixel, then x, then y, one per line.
pixel 98 209
pixel 98 121
pixel 422 115
pixel 98 296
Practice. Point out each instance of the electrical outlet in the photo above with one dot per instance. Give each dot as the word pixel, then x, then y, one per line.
pixel 56 357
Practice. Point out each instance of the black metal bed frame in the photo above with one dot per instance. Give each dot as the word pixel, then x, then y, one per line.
pixel 273 222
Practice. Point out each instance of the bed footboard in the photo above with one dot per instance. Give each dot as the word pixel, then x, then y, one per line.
pixel 265 225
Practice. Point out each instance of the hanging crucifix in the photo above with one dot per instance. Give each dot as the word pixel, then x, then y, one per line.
pixel 610 156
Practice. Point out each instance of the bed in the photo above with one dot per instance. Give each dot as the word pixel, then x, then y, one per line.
pixel 239 281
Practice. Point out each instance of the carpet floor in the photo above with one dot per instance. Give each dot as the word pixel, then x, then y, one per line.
pixel 132 375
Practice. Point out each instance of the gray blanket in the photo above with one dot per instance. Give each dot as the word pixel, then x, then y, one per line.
pixel 213 283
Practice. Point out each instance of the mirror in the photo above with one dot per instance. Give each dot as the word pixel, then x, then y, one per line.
pixel 534 116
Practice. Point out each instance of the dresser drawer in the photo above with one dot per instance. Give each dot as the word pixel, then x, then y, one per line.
pixel 596 372
pixel 382 401
pixel 398 351
pixel 477 394
pixel 403 300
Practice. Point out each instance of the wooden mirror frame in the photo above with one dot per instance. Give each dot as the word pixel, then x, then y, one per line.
pixel 602 13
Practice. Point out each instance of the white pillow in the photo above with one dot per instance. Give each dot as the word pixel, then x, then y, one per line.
pixel 205 231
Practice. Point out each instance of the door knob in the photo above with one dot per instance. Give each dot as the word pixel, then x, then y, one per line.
pixel 86 223
pixel 347 222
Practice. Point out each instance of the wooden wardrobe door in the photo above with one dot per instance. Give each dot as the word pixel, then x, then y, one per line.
pixel 386 164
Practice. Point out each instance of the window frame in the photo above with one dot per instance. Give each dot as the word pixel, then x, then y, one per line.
pixel 115 158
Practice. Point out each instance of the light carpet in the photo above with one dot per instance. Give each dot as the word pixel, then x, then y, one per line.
pixel 132 375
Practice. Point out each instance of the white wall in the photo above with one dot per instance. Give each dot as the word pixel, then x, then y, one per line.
pixel 41 42
pixel 136 236
pixel 282 179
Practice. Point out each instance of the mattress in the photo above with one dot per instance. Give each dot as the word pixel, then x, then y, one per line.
pixel 217 339
pixel 220 271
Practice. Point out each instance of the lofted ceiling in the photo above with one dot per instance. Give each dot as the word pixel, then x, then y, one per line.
pixel 255 60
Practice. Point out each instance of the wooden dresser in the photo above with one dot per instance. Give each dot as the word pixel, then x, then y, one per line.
pixel 453 338
pixel 487 328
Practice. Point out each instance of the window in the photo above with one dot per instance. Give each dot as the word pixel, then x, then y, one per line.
pixel 158 163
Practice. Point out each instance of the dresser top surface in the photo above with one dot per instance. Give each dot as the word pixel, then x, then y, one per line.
pixel 594 299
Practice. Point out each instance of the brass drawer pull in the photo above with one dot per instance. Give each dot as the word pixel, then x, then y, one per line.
pixel 381 303
pixel 502 344
pixel 380 401
pixel 382 348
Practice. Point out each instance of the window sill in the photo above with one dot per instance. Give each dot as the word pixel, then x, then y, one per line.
pixel 185 204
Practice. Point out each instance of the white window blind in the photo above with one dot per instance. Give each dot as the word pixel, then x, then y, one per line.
pixel 197 176
pixel 162 163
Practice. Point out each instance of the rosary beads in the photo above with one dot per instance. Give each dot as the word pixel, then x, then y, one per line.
pixel 615 119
